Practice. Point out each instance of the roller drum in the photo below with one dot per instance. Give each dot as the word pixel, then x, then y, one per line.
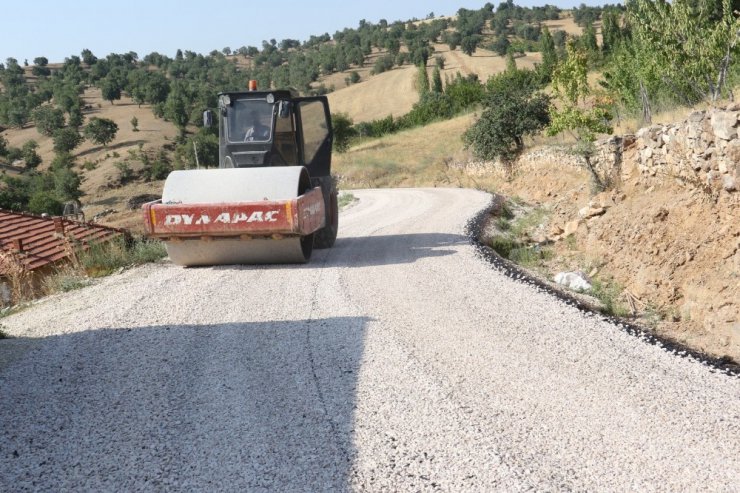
pixel 237 185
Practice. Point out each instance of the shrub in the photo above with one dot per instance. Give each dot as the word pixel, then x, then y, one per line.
pixel 383 64
pixel 125 172
pixel 465 92
pixel 377 128
pixel 343 131
pixel 45 202
pixel 432 106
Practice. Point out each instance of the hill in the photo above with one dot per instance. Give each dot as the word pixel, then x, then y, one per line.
pixel 111 176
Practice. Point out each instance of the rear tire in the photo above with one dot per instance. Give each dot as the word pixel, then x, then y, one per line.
pixel 326 236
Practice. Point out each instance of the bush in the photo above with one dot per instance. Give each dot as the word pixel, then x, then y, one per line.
pixel 432 106
pixel 207 144
pixel 13 154
pixel 377 128
pixel 383 64
pixel 45 202
pixel 343 131
pixel 158 168
pixel 125 172
pixel 465 92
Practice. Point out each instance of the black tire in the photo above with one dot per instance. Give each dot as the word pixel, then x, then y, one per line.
pixel 326 236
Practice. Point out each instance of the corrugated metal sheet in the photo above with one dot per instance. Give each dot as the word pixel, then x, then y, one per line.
pixel 46 240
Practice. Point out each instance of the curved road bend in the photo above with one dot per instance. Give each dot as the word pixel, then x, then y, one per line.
pixel 395 361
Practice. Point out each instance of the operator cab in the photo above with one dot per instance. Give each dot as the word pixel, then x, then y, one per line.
pixel 273 128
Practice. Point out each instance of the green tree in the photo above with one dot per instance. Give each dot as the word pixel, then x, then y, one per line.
pixel 205 141
pixel 469 44
pixel 40 68
pixel 176 108
pixel 45 202
pixel 437 81
pixel 510 62
pixel 101 130
pixel 66 184
pixel 160 166
pixel 501 45
pixel 157 88
pixel 76 118
pixel 512 110
pixel 67 95
pixel 422 80
pixel 610 32
pixel 135 124
pixel 66 139
pixel 48 120
pixel 14 193
pixel 549 55
pixel 3 146
pixel 575 112
pixel 136 85
pixel 588 39
pixel 691 42
pixel 110 88
pixel 30 156
pixel 62 160
pixel 452 40
pixel 343 131
pixel 88 58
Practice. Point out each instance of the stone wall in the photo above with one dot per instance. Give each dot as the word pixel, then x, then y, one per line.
pixel 703 150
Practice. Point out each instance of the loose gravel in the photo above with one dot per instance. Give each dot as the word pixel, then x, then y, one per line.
pixel 398 360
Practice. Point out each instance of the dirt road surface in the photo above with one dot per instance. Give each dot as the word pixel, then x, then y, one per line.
pixel 396 361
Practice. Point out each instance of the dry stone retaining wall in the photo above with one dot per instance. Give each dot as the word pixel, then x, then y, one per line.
pixel 702 152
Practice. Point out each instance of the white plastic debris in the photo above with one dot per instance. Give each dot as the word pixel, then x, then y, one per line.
pixel 573 280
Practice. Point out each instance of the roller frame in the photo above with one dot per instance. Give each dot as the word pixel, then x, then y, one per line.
pixel 300 216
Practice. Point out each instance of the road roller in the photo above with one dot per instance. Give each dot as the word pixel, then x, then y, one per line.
pixel 272 198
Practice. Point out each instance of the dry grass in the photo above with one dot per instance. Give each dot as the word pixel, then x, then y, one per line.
pixel 389 93
pixel 416 157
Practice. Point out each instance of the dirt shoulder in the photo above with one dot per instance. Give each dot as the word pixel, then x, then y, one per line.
pixel 668 253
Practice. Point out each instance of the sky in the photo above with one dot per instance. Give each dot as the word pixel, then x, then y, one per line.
pixel 59 28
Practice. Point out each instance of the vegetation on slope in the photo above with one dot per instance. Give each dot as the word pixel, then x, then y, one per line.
pixel 652 54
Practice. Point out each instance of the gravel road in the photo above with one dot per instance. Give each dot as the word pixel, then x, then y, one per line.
pixel 396 361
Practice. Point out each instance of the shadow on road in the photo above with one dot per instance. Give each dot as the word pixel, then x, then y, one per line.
pixel 243 406
pixel 372 251
pixel 391 249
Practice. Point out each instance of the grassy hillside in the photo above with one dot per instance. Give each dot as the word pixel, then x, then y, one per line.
pixel 112 175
